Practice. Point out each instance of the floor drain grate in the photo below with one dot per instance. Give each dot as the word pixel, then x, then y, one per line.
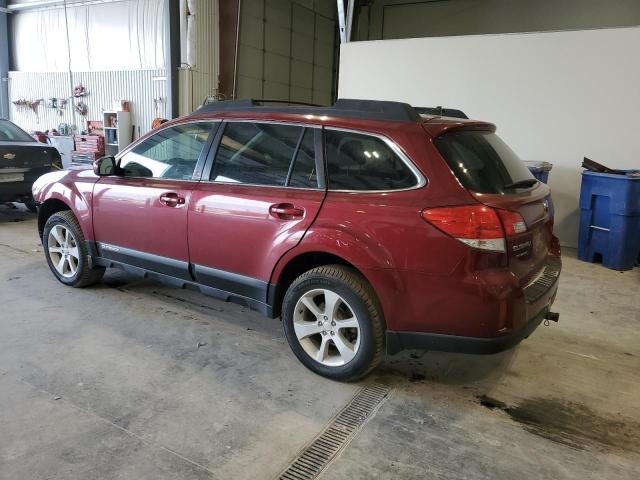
pixel 337 435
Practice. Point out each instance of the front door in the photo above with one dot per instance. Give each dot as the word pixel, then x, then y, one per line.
pixel 140 217
pixel 262 194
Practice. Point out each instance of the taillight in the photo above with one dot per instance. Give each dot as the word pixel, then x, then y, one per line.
pixel 513 222
pixel 478 226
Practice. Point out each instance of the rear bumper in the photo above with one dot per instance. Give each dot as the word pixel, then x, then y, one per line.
pixel 15 191
pixel 526 306
pixel 398 341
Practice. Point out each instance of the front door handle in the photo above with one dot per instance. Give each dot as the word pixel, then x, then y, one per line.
pixel 286 211
pixel 171 199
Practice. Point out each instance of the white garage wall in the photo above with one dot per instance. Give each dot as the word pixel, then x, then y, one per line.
pixel 122 35
pixel 554 96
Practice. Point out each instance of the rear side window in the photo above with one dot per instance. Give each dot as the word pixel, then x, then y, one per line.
pixel 303 173
pixel 363 162
pixel 257 153
pixel 11 133
pixel 481 161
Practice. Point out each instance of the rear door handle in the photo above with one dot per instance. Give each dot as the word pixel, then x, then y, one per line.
pixel 171 199
pixel 286 211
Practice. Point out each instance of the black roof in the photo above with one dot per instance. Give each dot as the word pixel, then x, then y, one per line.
pixel 367 109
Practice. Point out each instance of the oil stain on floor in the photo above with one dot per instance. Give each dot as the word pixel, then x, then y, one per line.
pixel 570 423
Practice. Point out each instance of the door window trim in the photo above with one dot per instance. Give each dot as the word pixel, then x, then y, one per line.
pixel 318 153
pixel 421 180
pixel 200 163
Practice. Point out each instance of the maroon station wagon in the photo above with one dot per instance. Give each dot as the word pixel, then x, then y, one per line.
pixel 367 226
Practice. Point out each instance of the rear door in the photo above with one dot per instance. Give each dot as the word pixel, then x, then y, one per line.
pixel 495 176
pixel 259 194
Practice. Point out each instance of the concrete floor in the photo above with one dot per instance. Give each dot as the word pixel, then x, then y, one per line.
pixel 109 383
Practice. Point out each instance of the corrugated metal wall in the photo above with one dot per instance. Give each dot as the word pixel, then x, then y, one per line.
pixel 103 87
pixel 201 79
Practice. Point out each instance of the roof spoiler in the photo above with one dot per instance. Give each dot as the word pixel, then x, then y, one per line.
pixel 441 112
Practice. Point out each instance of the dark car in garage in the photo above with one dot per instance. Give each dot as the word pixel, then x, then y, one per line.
pixel 22 161
pixel 366 226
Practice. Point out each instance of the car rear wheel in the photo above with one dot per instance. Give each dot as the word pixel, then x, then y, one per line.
pixel 333 322
pixel 66 251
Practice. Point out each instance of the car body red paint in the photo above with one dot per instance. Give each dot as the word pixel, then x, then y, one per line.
pixel 426 281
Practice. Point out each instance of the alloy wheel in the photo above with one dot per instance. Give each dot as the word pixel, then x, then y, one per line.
pixel 63 251
pixel 326 327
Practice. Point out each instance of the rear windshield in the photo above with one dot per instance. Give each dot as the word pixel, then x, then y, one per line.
pixel 10 133
pixel 482 162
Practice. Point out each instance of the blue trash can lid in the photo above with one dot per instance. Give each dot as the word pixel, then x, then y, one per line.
pixel 538 166
pixel 618 175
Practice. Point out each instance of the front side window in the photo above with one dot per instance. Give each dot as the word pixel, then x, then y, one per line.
pixel 172 153
pixel 262 154
pixel 357 161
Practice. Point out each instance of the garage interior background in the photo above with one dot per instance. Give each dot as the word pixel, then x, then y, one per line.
pixel 555 96
pixel 286 50
pixel 558 77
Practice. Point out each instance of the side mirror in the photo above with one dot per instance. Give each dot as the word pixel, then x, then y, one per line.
pixel 105 166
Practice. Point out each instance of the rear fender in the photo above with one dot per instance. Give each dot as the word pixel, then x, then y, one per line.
pixel 372 260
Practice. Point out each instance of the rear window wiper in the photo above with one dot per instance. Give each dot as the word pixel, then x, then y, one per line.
pixel 529 182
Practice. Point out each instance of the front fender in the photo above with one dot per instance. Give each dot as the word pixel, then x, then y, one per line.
pixel 74 188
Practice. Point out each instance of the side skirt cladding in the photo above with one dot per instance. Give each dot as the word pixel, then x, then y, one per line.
pixel 222 285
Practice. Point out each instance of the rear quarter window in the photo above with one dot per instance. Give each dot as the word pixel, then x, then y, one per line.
pixel 481 161
pixel 364 162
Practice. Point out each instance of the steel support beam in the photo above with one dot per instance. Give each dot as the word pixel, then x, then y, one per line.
pixel 172 56
pixel 350 6
pixel 345 20
pixel 4 61
pixel 342 21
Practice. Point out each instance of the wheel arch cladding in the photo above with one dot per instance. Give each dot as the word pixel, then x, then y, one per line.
pixel 70 200
pixel 48 208
pixel 305 257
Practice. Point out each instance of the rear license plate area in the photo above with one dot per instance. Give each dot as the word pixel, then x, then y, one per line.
pixel 11 177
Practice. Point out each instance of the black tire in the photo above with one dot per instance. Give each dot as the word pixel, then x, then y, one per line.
pixel 83 276
pixel 31 205
pixel 360 299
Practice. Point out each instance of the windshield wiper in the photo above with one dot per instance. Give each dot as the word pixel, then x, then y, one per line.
pixel 529 182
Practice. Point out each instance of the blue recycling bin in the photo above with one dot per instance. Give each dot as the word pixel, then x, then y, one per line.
pixel 610 218
pixel 540 170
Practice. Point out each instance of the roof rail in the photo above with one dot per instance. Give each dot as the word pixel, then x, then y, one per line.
pixel 369 109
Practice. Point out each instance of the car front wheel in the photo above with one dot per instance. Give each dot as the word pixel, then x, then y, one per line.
pixel 333 323
pixel 66 251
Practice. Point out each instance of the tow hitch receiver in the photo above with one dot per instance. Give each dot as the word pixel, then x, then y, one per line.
pixel 551 316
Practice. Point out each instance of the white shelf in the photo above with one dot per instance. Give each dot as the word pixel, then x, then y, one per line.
pixel 117 138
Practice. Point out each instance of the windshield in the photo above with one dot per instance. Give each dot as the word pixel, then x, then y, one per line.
pixel 11 133
pixel 483 163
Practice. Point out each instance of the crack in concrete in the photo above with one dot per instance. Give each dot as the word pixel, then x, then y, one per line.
pixel 109 422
